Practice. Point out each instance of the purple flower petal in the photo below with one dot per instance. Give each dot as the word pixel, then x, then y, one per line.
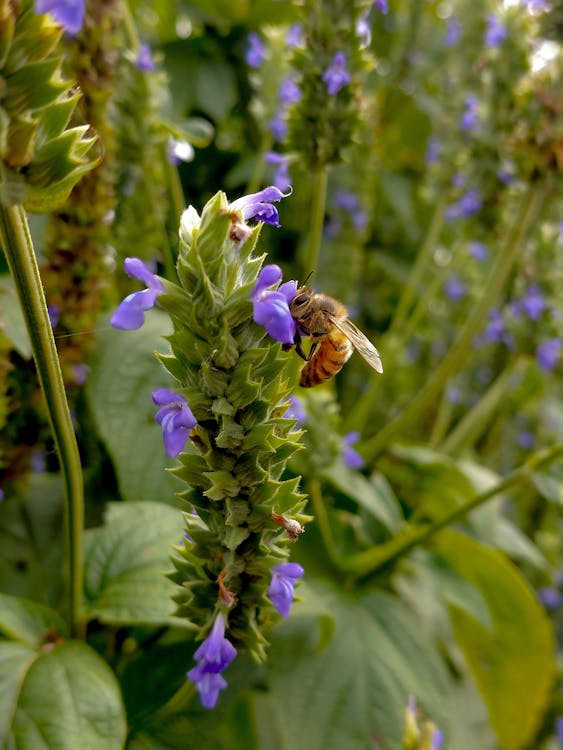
pixel 208 684
pixel 548 353
pixel 255 52
pixel 216 651
pixel 130 313
pixel 259 205
pixel 350 455
pixel 145 61
pixel 175 418
pixel 282 585
pixel 68 13
pixel 336 75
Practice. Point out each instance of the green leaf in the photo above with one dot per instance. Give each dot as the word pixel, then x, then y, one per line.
pixel 28 622
pixel 125 565
pixel 124 374
pixel 65 698
pixel 353 693
pixel 513 663
pixel 549 484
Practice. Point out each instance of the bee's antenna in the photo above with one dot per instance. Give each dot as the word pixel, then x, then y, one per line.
pixel 308 277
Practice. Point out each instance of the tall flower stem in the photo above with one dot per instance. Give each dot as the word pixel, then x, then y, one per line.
pixel 457 356
pixel 377 558
pixel 318 204
pixel 18 248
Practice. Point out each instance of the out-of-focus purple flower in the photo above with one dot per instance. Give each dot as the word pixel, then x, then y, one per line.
pixel 478 250
pixel 289 91
pixel 496 332
pixel 54 313
pixel 454 394
pixel 271 308
pixel 458 180
pixel 548 353
pixel 437 739
pixel 468 205
pixel 259 205
pixel 178 150
pixel 559 728
pixel 278 125
pixel 281 177
pixel 495 33
pixel 506 172
pixel 535 6
pixel 454 287
pixel 350 455
pixel 336 75
pixel 348 201
pixel 381 5
pixel 433 150
pixel 282 585
pixel 38 461
pixel 526 439
pixel 80 372
pixel 296 410
pixel 532 304
pixel 255 51
pixel 130 314
pixel 294 36
pixel 213 657
pixel 175 418
pixel 550 597
pixel 145 60
pixel 453 32
pixel 470 115
pixel 68 13
pixel 363 28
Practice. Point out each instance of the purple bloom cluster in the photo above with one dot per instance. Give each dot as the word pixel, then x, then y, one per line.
pixel 68 13
pixel 175 418
pixel 468 205
pixel 470 116
pixel 255 52
pixel 130 314
pixel 213 657
pixel 350 455
pixel 271 308
pixel 280 592
pixel 496 332
pixel 548 354
pixel 532 304
pixel 336 75
pixel 495 33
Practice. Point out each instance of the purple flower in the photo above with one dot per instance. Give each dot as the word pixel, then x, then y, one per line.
pixel 130 314
pixel 495 33
pixel 336 75
pixel 280 590
pixel 255 52
pixel 478 250
pixel 259 205
pixel 213 657
pixel 175 418
pixel 289 91
pixel 433 149
pixel 68 13
pixel 550 597
pixel 548 354
pixel 54 313
pixel 363 28
pixel 437 739
pixel 278 125
pixel 526 439
pixel 470 115
pixel 296 410
pixel 559 728
pixel 145 63
pixel 454 288
pixel 348 201
pixel 281 177
pixel 80 372
pixel 271 308
pixel 535 6
pixel 350 455
pixel 468 205
pixel 532 303
pixel 381 5
pixel 454 394
pixel 38 461
pixel 294 36
pixel 453 32
pixel 495 331
pixel 506 172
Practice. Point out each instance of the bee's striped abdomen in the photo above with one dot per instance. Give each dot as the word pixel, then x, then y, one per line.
pixel 333 352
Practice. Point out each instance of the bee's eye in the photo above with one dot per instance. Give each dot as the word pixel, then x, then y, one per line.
pixel 301 299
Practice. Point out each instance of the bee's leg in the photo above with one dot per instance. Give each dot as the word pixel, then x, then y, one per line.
pixel 312 350
pixel 299 347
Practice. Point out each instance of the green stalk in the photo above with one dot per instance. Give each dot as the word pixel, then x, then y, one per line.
pixel 477 419
pixel 318 205
pixel 376 558
pixel 456 358
pixel 18 248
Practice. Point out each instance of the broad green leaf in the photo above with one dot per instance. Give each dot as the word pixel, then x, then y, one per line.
pixel 124 374
pixel 125 565
pixel 66 698
pixel 374 495
pixel 28 622
pixel 353 692
pixel 15 659
pixel 513 663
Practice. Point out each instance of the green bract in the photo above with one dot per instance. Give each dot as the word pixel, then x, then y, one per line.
pixel 41 160
pixel 235 380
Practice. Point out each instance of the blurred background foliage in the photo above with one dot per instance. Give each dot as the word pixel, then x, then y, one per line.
pixel 434 569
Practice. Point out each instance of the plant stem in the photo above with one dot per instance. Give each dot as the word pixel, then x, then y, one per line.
pixel 376 558
pixel 318 204
pixel 456 358
pixel 18 247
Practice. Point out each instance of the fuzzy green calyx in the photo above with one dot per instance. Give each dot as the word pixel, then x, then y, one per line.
pixel 41 160
pixel 235 380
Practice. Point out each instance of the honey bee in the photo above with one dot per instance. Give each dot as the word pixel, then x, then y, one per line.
pixel 333 337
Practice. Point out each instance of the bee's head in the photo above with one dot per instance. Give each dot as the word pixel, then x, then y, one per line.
pixel 302 300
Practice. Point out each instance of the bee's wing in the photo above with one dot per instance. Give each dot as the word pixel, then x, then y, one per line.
pixel 360 342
